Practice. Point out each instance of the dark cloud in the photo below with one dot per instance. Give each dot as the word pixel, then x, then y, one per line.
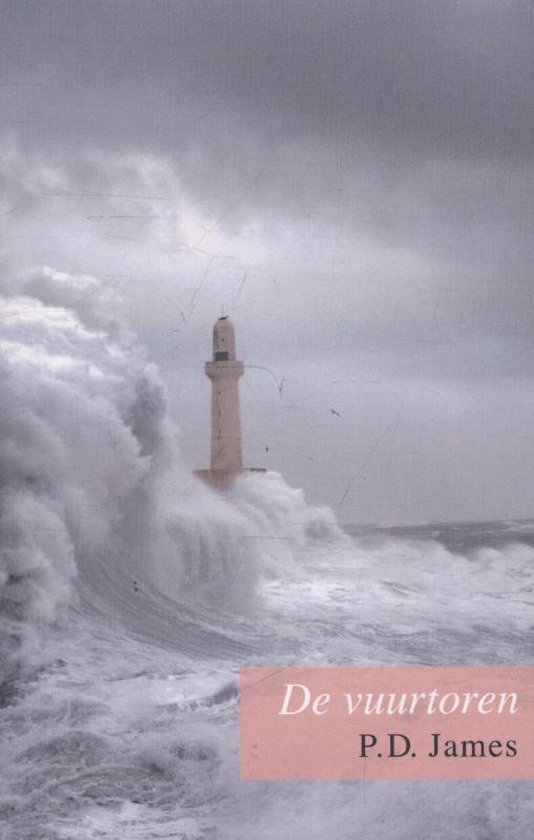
pixel 452 77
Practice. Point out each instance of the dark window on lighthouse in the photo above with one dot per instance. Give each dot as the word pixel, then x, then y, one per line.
pixel 221 356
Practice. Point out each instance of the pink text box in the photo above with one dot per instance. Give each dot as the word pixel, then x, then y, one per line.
pixel 395 723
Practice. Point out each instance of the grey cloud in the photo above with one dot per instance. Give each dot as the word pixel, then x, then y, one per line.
pixel 452 76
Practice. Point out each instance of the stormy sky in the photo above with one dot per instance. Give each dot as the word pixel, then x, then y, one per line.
pixel 352 181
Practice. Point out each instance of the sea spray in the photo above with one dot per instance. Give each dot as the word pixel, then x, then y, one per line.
pixel 97 504
pixel 281 520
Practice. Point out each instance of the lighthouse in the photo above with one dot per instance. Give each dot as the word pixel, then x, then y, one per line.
pixel 225 372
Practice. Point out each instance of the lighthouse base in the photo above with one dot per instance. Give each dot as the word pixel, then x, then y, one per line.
pixel 222 479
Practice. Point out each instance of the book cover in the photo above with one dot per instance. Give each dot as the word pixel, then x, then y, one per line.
pixel 266 405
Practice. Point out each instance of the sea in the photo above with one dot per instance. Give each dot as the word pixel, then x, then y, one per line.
pixel 131 595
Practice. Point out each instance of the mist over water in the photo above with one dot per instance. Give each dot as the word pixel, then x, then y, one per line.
pixel 131 594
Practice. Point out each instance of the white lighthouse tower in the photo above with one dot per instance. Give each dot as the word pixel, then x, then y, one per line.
pixel 224 371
